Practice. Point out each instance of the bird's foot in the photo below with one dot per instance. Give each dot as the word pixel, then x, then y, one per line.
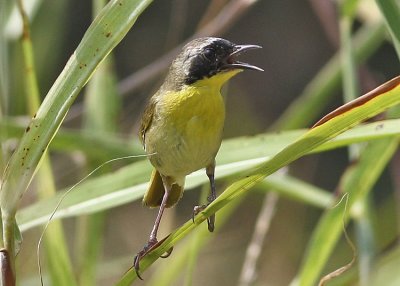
pixel 210 220
pixel 150 246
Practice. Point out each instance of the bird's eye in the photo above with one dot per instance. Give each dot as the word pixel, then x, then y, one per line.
pixel 209 54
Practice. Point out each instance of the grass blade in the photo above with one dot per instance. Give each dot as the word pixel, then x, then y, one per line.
pixel 79 140
pixel 358 183
pixel 102 36
pixel 236 155
pixel 101 108
pixel 330 126
pixel 59 263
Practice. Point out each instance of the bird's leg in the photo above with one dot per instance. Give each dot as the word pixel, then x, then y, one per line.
pixel 152 243
pixel 210 170
pixel 213 194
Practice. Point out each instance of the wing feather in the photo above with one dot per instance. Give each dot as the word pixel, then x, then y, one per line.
pixel 147 119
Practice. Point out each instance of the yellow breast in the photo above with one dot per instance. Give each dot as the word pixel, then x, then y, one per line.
pixel 186 131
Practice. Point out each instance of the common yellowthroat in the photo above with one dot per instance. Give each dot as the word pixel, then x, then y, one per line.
pixel 182 125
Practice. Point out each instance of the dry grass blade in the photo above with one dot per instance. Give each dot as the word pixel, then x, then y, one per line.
pixel 248 274
pixel 346 267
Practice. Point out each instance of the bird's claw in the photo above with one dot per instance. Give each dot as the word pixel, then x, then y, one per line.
pixel 210 220
pixel 146 249
pixel 197 210
pixel 150 246
pixel 168 253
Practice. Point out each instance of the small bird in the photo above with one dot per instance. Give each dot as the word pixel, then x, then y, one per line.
pixel 181 128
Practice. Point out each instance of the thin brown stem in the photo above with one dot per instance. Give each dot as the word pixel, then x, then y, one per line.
pixel 7 275
pixel 253 251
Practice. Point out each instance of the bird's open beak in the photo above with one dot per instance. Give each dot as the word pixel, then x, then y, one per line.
pixel 231 61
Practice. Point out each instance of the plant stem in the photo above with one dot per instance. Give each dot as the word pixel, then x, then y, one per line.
pixel 9 247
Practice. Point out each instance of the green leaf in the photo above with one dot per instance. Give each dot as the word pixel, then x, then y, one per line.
pixel 330 126
pixel 79 140
pixel 106 31
pixel 358 182
pixel 57 257
pixel 102 36
pixel 101 106
pixel 236 155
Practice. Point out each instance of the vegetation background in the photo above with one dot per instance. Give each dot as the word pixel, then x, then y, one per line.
pixel 307 47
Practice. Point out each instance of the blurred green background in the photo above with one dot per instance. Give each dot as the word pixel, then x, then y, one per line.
pixel 299 39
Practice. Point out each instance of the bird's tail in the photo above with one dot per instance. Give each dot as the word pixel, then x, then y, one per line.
pixel 155 192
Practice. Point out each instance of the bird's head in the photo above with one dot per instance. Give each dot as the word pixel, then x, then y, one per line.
pixel 204 58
